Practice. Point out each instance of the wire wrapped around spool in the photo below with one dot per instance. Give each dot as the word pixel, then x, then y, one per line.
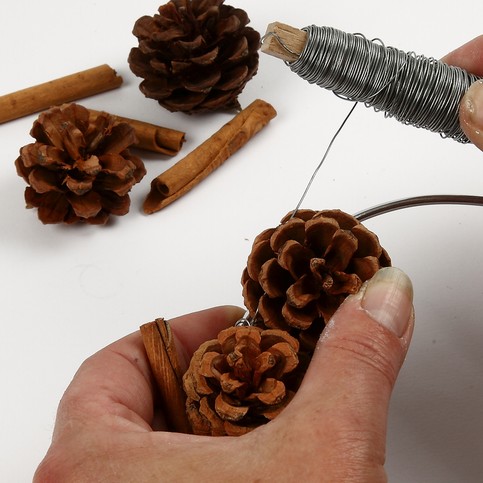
pixel 416 90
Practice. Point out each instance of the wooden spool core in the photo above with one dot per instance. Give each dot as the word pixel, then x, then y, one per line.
pixel 280 37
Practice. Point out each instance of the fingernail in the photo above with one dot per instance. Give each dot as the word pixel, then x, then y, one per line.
pixel 388 299
pixel 473 106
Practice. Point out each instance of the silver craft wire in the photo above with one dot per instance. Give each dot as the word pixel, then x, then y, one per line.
pixel 419 91
pixel 246 320
pixel 279 40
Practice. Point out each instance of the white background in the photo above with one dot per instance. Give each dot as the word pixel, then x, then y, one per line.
pixel 67 291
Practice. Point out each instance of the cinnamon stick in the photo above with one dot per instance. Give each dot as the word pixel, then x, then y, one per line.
pixel 152 137
pixel 59 91
pixel 163 359
pixel 198 164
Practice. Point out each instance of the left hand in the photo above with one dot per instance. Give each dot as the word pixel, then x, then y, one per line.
pixel 332 431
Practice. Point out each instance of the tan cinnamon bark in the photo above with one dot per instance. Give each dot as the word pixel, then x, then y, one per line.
pixel 59 91
pixel 162 355
pixel 198 164
pixel 152 137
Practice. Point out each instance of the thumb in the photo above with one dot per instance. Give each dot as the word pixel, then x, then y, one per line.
pixel 344 398
pixel 471 114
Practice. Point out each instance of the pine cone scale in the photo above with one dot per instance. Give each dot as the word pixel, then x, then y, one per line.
pixel 293 229
pixel 368 244
pixel 365 267
pixel 298 318
pixel 273 279
pixel 206 58
pixel 233 78
pixel 202 83
pixel 90 166
pixel 85 206
pixel 261 252
pixel 42 181
pixel 228 410
pixel 345 283
pixel 53 207
pixel 117 138
pixel 78 187
pixel 320 233
pixel 270 310
pixel 240 50
pixel 115 204
pixel 341 250
pixel 303 291
pixel 295 258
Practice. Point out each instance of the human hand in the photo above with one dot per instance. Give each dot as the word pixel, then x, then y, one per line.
pixel 470 58
pixel 333 430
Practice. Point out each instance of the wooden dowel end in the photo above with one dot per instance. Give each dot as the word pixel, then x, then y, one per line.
pixel 283 41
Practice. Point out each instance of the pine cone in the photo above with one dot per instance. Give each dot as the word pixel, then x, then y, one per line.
pixel 195 55
pixel 298 274
pixel 240 380
pixel 79 169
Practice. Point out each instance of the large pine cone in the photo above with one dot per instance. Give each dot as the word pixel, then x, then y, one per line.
pixel 240 380
pixel 195 55
pixel 79 169
pixel 298 274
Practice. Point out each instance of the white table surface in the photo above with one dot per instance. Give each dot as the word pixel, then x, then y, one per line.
pixel 67 291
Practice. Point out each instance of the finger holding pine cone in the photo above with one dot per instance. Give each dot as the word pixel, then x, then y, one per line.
pixel 297 275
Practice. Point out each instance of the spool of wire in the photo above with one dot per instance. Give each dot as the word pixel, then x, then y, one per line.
pixel 416 90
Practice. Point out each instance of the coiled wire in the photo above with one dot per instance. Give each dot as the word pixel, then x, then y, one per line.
pixel 416 90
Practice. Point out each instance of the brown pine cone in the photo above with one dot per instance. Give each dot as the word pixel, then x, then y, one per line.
pixel 79 169
pixel 240 380
pixel 195 55
pixel 299 273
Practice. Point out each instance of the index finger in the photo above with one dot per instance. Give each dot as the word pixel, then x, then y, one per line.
pixel 469 56
pixel 115 386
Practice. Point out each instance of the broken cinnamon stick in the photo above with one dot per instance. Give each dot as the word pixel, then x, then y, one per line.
pixel 59 91
pixel 198 164
pixel 163 359
pixel 152 137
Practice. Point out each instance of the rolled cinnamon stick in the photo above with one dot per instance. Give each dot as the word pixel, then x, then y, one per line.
pixel 152 137
pixel 163 359
pixel 198 164
pixel 59 91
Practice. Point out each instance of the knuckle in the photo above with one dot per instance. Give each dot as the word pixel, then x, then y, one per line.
pixel 373 351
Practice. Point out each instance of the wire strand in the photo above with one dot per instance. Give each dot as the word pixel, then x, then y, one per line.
pixel 314 174
pixel 418 201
